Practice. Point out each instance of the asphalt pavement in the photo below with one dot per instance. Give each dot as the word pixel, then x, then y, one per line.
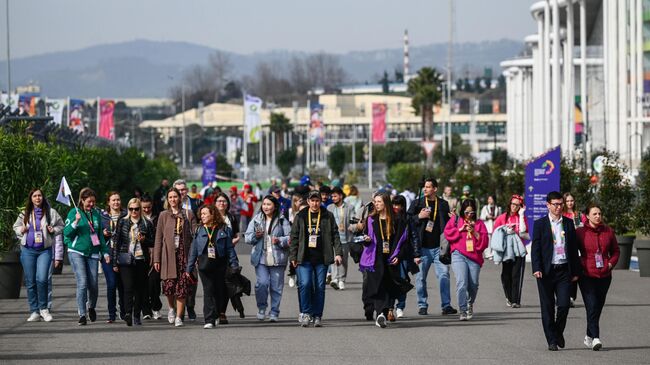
pixel 496 335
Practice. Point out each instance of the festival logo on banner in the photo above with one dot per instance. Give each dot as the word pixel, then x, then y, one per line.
pixel 9 100
pixel 542 177
pixel 106 122
pixel 55 110
pixel 209 168
pixel 316 125
pixel 253 118
pixel 378 123
pixel 75 115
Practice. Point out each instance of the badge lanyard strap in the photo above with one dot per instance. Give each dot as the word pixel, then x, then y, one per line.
pixel 34 221
pixel 178 226
pixel 317 221
pixel 553 234
pixel 435 209
pixel 90 221
pixel 381 230
pixel 210 234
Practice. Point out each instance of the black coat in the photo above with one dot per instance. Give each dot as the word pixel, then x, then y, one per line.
pixel 419 225
pixel 541 250
pixel 236 283
pixel 122 239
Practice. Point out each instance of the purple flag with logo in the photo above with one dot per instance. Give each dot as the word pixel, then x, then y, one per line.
pixel 542 177
pixel 209 168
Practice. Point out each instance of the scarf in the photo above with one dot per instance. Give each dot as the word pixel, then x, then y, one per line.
pixel 367 262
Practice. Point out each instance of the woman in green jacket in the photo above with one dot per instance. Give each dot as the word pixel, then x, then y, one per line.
pixel 83 236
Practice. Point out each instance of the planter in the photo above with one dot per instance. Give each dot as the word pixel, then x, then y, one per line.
pixel 625 245
pixel 11 275
pixel 643 253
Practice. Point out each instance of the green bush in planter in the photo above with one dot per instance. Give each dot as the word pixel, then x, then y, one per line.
pixel 642 208
pixel 616 196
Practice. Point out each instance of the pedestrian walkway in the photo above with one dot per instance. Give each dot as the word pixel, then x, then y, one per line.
pixel 496 335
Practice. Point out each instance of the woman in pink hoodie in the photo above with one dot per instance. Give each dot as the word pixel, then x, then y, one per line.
pixel 468 238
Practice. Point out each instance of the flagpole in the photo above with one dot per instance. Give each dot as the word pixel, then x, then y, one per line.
pixel 370 149
pixel 98 115
pixel 245 140
pixel 68 116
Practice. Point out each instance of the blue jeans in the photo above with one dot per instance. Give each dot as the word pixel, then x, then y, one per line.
pixel 269 278
pixel 467 272
pixel 49 286
pixel 430 256
pixel 36 267
pixel 85 272
pixel 311 288
pixel 113 287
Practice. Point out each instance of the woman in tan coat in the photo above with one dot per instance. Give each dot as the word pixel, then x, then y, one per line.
pixel 171 250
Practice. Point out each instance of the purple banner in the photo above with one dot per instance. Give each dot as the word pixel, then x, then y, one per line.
pixel 542 177
pixel 209 168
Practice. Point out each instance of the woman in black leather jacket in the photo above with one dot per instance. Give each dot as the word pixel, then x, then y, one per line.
pixel 131 242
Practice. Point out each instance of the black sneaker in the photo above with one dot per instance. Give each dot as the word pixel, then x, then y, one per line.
pixel 92 315
pixel 82 320
pixel 422 311
pixel 370 314
pixel 191 314
pixel 128 319
pixel 449 310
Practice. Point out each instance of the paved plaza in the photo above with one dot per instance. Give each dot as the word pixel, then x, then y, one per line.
pixel 496 335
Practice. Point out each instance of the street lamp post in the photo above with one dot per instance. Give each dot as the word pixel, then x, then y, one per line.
pixel 183 117
pixel 8 54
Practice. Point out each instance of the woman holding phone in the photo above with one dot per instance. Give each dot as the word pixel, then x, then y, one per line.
pixel 268 233
pixel 468 238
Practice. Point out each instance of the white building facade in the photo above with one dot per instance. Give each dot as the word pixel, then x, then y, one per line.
pixel 581 82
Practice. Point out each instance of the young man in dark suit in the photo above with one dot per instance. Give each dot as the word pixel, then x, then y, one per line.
pixel 554 256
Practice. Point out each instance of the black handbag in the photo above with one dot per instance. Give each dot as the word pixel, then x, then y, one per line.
pixel 207 264
pixel 125 259
pixel 445 248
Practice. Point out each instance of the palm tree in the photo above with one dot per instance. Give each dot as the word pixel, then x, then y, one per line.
pixel 280 124
pixel 425 89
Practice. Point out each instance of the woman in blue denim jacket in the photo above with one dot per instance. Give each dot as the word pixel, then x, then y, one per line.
pixel 269 232
pixel 213 250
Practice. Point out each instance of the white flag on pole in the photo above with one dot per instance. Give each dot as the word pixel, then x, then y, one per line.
pixel 64 194
pixel 253 117
pixel 10 99
pixel 55 109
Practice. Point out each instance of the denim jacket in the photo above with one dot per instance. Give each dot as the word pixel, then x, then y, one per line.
pixel 281 229
pixel 223 245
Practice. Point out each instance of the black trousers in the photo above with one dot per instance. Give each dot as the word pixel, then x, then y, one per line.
pixel 554 289
pixel 152 299
pixel 368 303
pixel 512 278
pixel 134 279
pixel 594 293
pixel 214 290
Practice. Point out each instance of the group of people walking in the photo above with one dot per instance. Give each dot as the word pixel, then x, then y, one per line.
pixel 166 244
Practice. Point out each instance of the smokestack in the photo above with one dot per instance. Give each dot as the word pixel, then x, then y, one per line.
pixel 406 56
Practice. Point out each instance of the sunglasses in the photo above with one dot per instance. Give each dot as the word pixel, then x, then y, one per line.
pixel 134 209
pixel 470 213
pixel 222 201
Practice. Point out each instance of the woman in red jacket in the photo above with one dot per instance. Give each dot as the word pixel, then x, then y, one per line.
pixel 599 255
pixel 468 238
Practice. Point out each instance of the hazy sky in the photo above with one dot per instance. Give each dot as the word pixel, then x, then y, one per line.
pixel 40 26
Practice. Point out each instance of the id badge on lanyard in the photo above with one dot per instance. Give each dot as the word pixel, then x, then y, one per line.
pixel 386 247
pixel 313 241
pixel 560 252
pixel 212 254
pixel 429 227
pixel 600 263
pixel 94 239
pixel 469 244
pixel 177 241
pixel 38 237
pixel 137 252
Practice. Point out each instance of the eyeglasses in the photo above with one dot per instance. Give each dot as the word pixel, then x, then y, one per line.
pixel 222 201
pixel 556 205
pixel 134 209
pixel 469 213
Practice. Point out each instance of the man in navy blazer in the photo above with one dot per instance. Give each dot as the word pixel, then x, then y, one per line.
pixel 554 256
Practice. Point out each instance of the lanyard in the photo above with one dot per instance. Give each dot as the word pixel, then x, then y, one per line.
pixel 178 225
pixel 553 233
pixel 309 221
pixel 381 230
pixel 90 221
pixel 341 214
pixel 210 234
pixel 435 209
pixel 134 227
pixel 36 224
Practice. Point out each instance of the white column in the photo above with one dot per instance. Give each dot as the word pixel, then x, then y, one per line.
pixel 520 114
pixel 564 123
pixel 623 131
pixel 569 70
pixel 540 86
pixel 548 140
pixel 639 78
pixel 583 72
pixel 632 99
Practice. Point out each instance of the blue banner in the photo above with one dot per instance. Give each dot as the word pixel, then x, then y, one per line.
pixel 542 177
pixel 209 168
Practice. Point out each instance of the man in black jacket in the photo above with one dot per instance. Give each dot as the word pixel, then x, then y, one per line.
pixel 555 262
pixel 428 216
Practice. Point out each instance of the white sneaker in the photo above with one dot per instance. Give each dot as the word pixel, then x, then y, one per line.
pixel 588 341
pixel 381 321
pixel 470 311
pixel 47 317
pixel 208 326
pixel 178 322
pixel 34 317
pixel 156 315
pixel 300 316
pixel 261 315
pixel 273 318
pixel 341 285
pixel 462 316
pixel 146 316
pixel 399 313
pixel 596 345
pixel 171 315
pixel 292 281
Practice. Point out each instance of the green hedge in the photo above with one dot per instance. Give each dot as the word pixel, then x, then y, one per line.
pixel 26 163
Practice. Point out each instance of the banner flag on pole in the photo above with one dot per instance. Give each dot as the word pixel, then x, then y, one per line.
pixel 10 100
pixel 316 124
pixel 75 114
pixel 27 104
pixel 253 117
pixel 64 194
pixel 55 109
pixel 378 123
pixel 209 168
pixel 542 175
pixel 106 121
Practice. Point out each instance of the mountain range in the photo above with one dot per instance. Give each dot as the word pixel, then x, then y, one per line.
pixel 147 69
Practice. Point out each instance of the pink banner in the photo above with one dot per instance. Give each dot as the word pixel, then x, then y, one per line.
pixel 378 123
pixel 106 126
